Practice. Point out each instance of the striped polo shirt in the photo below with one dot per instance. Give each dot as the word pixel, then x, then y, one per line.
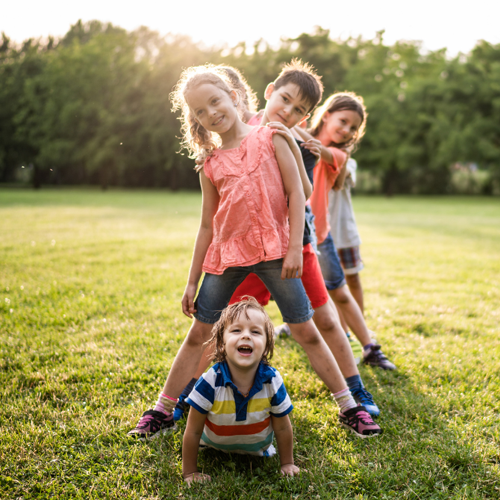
pixel 235 423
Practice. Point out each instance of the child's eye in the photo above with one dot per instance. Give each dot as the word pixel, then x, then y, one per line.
pixel 198 113
pixel 215 101
pixel 285 99
pixel 257 332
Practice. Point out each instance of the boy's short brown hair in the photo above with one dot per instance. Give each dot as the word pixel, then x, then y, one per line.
pixel 229 315
pixel 305 77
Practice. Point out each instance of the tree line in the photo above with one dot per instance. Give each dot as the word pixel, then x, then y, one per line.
pixel 93 108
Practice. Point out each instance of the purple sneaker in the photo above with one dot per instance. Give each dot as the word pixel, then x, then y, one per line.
pixel 152 424
pixel 359 421
pixel 375 357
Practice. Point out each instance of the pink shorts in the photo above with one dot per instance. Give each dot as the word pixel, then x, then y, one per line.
pixel 312 279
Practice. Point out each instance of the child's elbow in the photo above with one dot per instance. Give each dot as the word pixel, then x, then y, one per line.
pixel 308 190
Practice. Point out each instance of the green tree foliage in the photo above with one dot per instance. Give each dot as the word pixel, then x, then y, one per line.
pixel 93 107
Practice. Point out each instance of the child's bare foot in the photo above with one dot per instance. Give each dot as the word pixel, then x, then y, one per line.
pixel 290 470
pixel 198 477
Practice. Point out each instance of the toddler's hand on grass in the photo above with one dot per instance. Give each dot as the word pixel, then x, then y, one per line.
pixel 292 265
pixel 197 477
pixel 188 300
pixel 290 470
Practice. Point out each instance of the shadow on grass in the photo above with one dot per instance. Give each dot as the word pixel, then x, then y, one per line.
pixel 420 454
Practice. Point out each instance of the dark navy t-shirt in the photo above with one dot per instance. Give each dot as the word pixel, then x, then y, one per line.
pixel 309 162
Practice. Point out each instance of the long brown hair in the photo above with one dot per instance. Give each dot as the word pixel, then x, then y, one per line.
pixel 341 101
pixel 229 315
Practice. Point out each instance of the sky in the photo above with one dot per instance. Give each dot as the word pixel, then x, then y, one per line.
pixel 456 25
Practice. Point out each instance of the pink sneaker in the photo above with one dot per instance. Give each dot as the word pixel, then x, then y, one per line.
pixel 359 421
pixel 152 424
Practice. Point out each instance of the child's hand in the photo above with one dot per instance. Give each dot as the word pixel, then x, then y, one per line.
pixel 188 300
pixel 314 146
pixel 197 477
pixel 289 470
pixel 292 264
pixel 284 131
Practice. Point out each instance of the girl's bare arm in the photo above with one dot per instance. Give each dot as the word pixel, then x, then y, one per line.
pixel 326 154
pixel 292 264
pixel 287 134
pixel 339 181
pixel 190 445
pixel 203 239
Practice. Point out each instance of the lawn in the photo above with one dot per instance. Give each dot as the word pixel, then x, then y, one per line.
pixel 90 319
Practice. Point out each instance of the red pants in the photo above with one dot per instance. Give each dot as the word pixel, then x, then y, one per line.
pixel 312 279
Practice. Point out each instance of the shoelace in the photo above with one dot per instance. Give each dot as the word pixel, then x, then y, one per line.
pixel 362 416
pixel 145 419
pixel 365 417
pixel 376 353
pixel 363 395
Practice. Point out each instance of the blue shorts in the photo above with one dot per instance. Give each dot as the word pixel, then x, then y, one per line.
pixel 217 289
pixel 330 264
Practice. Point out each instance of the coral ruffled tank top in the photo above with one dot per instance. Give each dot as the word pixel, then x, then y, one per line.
pixel 251 222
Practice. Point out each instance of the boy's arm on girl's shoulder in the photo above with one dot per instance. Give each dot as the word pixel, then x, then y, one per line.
pixel 326 154
pixel 292 263
pixel 190 446
pixel 284 439
pixel 203 239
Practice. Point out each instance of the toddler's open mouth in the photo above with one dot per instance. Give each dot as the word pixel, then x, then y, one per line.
pixel 245 350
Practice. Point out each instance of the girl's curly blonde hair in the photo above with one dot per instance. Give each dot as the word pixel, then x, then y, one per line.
pixel 199 141
pixel 229 315
pixel 339 102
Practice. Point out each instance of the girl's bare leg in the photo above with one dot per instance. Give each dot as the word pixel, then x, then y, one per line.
pixel 187 360
pixel 327 322
pixel 205 362
pixel 352 313
pixel 320 356
pixel 342 319
pixel 356 289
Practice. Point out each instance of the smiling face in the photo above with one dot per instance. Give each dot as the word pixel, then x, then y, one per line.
pixel 285 105
pixel 245 339
pixel 212 107
pixel 340 126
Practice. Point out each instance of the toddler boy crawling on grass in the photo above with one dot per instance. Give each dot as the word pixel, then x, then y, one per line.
pixel 241 402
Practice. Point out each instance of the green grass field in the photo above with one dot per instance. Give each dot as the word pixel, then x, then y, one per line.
pixel 90 288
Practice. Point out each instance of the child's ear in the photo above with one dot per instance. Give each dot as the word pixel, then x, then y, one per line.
pixel 269 90
pixel 235 97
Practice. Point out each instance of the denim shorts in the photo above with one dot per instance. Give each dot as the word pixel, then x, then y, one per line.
pixel 217 289
pixel 330 264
